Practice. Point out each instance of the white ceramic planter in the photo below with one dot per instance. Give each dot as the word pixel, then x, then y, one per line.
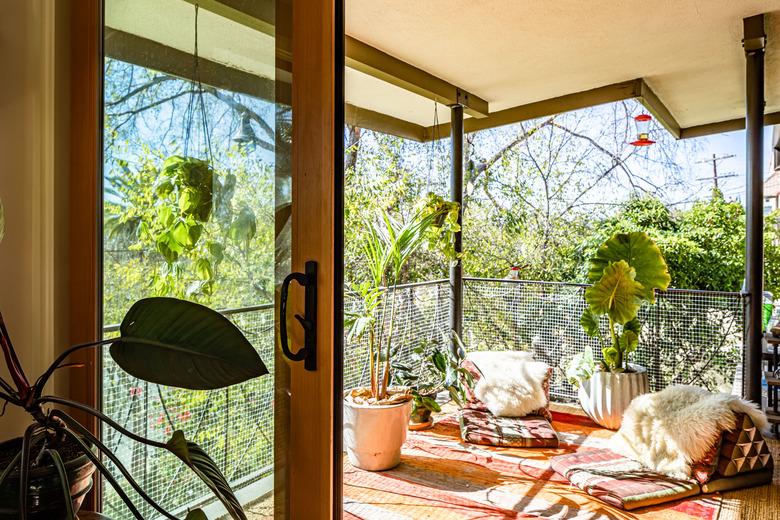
pixel 606 395
pixel 373 435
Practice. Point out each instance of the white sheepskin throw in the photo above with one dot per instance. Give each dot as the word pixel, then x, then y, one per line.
pixel 511 384
pixel 670 430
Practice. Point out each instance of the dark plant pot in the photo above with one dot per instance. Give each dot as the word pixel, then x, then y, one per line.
pixel 420 419
pixel 45 500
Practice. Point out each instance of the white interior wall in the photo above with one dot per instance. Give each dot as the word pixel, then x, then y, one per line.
pixel 34 99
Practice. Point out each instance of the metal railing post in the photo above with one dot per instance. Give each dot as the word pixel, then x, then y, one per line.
pixel 754 44
pixel 456 195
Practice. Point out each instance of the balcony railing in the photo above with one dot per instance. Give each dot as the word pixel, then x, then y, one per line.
pixel 689 337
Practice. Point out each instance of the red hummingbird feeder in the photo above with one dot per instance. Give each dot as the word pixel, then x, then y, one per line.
pixel 643 130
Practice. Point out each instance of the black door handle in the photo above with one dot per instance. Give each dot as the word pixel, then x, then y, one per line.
pixel 307 353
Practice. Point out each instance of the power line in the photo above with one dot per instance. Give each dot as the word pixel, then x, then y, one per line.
pixel 715 160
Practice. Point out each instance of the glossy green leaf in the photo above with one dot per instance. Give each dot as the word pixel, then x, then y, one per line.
pixel 179 343
pixel 589 323
pixel 201 464
pixel 616 293
pixel 640 253
pixel 203 269
pixel 244 227
pixel 217 251
pixel 628 341
pixel 181 234
pixel 196 514
pixel 164 247
pixel 431 404
pixel 611 355
pixel 634 326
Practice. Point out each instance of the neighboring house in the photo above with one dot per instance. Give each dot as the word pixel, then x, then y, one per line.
pixel 772 183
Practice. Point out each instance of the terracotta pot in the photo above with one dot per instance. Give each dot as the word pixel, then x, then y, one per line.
pixel 606 395
pixel 45 500
pixel 373 435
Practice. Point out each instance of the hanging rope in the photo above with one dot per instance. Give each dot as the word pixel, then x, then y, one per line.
pixel 196 102
pixel 432 159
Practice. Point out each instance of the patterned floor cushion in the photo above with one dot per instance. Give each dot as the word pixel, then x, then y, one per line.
pixel 620 481
pixel 743 459
pixel 482 427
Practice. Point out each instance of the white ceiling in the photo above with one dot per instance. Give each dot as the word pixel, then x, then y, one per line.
pixel 172 23
pixel 517 52
pixel 511 53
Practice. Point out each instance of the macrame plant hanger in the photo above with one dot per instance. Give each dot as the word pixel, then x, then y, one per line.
pixel 195 104
pixel 434 139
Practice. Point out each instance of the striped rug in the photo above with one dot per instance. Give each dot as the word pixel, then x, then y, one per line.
pixel 441 477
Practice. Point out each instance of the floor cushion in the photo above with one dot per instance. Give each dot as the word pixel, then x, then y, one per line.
pixel 620 481
pixel 482 427
pixel 474 403
pixel 743 459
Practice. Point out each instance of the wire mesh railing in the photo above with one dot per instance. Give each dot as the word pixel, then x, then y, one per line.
pixel 234 425
pixel 689 337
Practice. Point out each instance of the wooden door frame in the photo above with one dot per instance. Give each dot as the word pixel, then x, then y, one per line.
pixel 85 206
pixel 317 224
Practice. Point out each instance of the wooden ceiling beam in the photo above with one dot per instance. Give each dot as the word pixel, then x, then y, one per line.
pixel 374 62
pixel 720 127
pixel 385 124
pixel 557 105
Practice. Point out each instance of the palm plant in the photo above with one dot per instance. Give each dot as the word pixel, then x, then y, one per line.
pixel 162 340
pixel 387 247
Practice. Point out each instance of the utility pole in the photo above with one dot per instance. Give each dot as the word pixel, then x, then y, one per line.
pixel 715 160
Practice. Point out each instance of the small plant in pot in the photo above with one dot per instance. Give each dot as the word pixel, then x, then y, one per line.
pixel 376 416
pixel 436 370
pixel 48 472
pixel 625 272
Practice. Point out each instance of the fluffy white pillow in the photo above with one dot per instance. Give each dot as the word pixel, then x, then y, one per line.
pixel 670 430
pixel 512 383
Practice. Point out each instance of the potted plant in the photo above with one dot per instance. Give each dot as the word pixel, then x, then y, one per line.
pixel 625 272
pixel 376 417
pixel 435 370
pixel 47 472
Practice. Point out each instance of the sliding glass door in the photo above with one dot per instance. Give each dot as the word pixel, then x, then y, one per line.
pixel 206 182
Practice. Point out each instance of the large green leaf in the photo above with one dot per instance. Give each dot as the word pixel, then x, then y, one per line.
pixel 179 343
pixel 590 323
pixel 616 293
pixel 639 252
pixel 202 465
pixel 196 514
pixel 628 341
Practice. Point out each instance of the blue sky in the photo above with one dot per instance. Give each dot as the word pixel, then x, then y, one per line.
pixel 728 144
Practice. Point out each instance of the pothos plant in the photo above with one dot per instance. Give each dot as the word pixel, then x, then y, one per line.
pixel 387 247
pixel 434 369
pixel 172 217
pixel 162 340
pixel 625 272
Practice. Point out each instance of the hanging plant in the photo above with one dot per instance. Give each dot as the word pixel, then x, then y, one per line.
pixel 441 233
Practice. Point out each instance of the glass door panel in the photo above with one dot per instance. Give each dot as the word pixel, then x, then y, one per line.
pixel 197 197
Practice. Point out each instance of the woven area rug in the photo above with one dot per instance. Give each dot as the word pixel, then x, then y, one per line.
pixel 441 477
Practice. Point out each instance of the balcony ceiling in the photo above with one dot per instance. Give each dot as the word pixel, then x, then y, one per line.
pixel 510 54
pixel 513 53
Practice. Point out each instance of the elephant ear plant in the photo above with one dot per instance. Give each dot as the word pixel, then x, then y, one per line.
pixel 625 272
pixel 162 340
